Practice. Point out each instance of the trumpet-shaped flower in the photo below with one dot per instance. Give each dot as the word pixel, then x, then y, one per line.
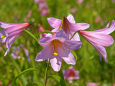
pixel 71 74
pixel 57 48
pixel 68 25
pixel 100 38
pixel 11 32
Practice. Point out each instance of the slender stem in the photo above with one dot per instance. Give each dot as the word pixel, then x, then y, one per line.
pixel 73 35
pixel 47 32
pixel 45 75
pixel 31 35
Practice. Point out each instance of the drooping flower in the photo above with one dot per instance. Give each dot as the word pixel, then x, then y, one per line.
pixel 100 38
pixel 57 48
pixel 43 7
pixel 68 25
pixel 11 32
pixel 71 74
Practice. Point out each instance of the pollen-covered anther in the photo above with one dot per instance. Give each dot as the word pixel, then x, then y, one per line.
pixel 55 54
pixel 2 37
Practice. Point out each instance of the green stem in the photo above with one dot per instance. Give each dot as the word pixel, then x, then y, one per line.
pixel 31 35
pixel 73 35
pixel 45 75
pixel 47 32
pixel 21 73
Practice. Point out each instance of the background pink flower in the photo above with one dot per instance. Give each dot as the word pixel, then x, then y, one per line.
pixel 43 7
pixel 71 74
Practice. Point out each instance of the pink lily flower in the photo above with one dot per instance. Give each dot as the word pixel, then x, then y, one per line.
pixel 11 32
pixel 71 74
pixel 100 38
pixel 57 48
pixel 43 7
pixel 113 1
pixel 92 84
pixel 68 25
pixel 80 1
pixel 16 52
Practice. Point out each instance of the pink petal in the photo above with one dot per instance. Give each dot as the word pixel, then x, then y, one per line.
pixel 55 23
pixel 16 27
pixel 70 59
pixel 56 63
pixel 6 25
pixel 73 45
pixel 63 51
pixel 71 18
pixel 98 38
pixel 9 42
pixel 61 34
pixel 76 37
pixel 78 26
pixel 44 41
pixel 44 54
pixel 76 75
pixel 12 27
pixel 108 29
pixel 101 50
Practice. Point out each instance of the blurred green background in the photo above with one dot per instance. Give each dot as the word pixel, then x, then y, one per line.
pixel 95 12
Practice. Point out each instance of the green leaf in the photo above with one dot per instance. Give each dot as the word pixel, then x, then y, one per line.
pixel 56 77
pixel 34 84
pixel 59 78
pixel 62 81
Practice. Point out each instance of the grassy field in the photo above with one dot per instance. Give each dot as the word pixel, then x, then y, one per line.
pixel 95 12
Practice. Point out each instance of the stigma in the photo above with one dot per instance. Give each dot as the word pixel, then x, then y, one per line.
pixel 55 54
pixel 2 37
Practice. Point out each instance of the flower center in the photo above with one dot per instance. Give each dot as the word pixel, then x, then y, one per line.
pixel 2 37
pixel 71 73
pixel 55 43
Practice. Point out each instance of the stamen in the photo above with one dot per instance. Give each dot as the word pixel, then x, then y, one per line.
pixel 65 25
pixel 55 43
pixel 2 37
pixel 61 25
pixel 55 54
